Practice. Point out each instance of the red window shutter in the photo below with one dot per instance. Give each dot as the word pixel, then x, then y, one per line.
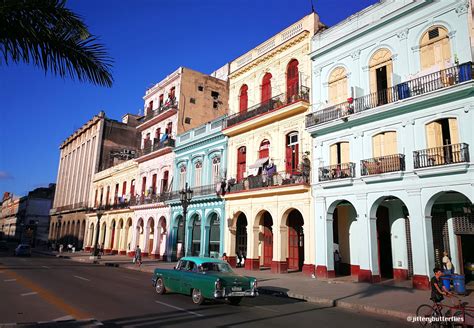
pixel 164 182
pixel 241 159
pixel 292 80
pixel 295 157
pixel 243 99
pixel 108 195
pixel 124 188
pixel 132 188
pixel 161 100
pixel 153 184
pixel 157 133
pixel 172 92
pixel 288 159
pixel 169 128
pixel 264 150
pixel 143 185
pixel 266 88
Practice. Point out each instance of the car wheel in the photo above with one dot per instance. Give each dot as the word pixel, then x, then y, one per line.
pixel 235 300
pixel 160 286
pixel 197 297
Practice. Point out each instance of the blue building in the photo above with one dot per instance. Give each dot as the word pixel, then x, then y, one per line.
pixel 200 163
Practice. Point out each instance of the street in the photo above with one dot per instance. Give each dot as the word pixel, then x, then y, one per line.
pixel 45 289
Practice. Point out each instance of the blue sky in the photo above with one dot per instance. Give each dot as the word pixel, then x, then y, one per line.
pixel 148 39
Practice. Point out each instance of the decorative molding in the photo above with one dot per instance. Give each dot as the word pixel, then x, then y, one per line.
pixel 468 108
pixel 355 54
pixel 452 34
pixel 415 48
pixel 462 8
pixel 317 71
pixel 403 34
pixel 365 68
pixel 394 57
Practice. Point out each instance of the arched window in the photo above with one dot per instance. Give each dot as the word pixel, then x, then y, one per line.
pixel 132 188
pixel 153 184
pixel 338 86
pixel 384 144
pixel 264 149
pixel 243 99
pixel 381 68
pixel 339 153
pixel 182 177
pixel 435 49
pixel 241 162
pixel 292 80
pixel 197 173
pixel 291 152
pixel 216 167
pixel 266 88
pixel 164 182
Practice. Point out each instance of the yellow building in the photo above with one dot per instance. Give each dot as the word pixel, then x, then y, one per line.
pixel 268 199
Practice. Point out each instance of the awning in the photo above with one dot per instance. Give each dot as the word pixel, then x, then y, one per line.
pixel 259 163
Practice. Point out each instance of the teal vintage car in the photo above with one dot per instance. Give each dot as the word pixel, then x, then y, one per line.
pixel 204 278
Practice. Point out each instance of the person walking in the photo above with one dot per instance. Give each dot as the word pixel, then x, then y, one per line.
pixel 138 256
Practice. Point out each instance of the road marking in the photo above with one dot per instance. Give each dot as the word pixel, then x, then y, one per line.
pixel 82 278
pixel 46 267
pixel 181 309
pixel 29 294
pixel 264 308
pixel 9 280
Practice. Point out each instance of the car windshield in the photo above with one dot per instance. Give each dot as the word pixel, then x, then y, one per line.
pixel 215 267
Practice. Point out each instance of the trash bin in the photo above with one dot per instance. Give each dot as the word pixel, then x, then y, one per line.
pixel 403 90
pixel 446 280
pixel 465 72
pixel 459 283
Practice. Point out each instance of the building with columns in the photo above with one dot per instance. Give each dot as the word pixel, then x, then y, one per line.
pixel 392 127
pixel 185 99
pixel 90 149
pixel 268 207
pixel 200 162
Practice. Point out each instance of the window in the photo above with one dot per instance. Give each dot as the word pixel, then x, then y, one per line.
pixel 435 49
pixel 442 132
pixel 214 94
pixel 264 149
pixel 172 93
pixel 292 80
pixel 200 88
pixel 241 162
pixel 187 120
pixel 95 198
pixel 381 68
pixel 143 185
pixel 192 100
pixel 117 187
pixel 337 91
pixel 157 133
pixel 266 88
pixel 169 128
pixel 215 105
pixel 182 177
pixel 149 108
pixel 164 182
pixel 243 99
pixel 161 100
pixel 340 153
pixel 291 152
pixel 216 165
pixel 384 144
pixel 107 196
pixel 153 184
pixel 124 188
pixel 132 188
pixel 197 174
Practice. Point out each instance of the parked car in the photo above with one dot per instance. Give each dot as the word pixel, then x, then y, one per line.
pixel 204 278
pixel 23 250
pixel 3 245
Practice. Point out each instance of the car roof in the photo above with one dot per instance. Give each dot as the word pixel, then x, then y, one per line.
pixel 200 260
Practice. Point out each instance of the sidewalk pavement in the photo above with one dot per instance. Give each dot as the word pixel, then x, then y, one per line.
pixel 396 301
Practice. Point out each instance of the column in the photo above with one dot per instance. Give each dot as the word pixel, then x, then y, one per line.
pixel 280 250
pixel 252 262
pixel 324 240
pixel 453 244
pixel 205 235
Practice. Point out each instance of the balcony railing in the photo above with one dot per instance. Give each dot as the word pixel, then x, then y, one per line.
pixel 150 199
pixel 448 154
pixel 383 164
pixel 71 207
pixel 270 181
pixel 197 191
pixel 418 86
pixel 273 104
pixel 163 108
pixel 149 148
pixel 337 171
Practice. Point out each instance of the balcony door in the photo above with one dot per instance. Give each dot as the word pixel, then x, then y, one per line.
pixel 243 99
pixel 264 150
pixel 164 182
pixel 266 88
pixel 440 134
pixel 338 86
pixel 381 77
pixel 291 152
pixel 292 80
pixel 241 162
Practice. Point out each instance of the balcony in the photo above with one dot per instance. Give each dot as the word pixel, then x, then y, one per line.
pixel 197 191
pixel 439 156
pixel 150 199
pixel 264 181
pixel 275 104
pixel 422 85
pixel 383 164
pixel 337 171
pixel 70 207
pixel 172 104
pixel 157 145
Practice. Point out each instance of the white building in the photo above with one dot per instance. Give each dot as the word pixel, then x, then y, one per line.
pixel 392 125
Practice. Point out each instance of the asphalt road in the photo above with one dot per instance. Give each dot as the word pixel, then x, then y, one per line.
pixel 46 289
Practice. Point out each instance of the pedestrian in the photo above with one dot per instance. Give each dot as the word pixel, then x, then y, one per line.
pixel 447 264
pixel 239 257
pixel 337 261
pixel 438 291
pixel 99 251
pixel 138 256
pixel 224 257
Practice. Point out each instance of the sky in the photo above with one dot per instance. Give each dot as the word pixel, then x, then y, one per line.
pixel 148 39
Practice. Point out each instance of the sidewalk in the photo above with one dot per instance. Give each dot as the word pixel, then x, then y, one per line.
pixel 394 301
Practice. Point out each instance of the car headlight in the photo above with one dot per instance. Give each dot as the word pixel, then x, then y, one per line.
pixel 218 284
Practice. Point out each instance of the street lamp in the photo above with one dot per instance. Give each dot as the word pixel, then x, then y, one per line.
pixel 185 196
pixel 58 228
pixel 99 212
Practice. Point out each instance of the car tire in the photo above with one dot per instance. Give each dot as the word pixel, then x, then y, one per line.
pixel 235 300
pixel 160 286
pixel 197 297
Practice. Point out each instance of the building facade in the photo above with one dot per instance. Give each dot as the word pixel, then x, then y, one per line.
pixel 268 206
pixel 200 163
pixel 9 219
pixel 391 126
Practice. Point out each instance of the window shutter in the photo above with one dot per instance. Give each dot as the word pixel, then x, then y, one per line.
pixel 390 143
pixel 373 80
pixel 334 159
pixel 434 135
pixel 345 152
pixel 377 145
pixel 453 131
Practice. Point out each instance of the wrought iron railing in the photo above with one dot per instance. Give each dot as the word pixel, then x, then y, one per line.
pixel 197 191
pixel 148 148
pixel 163 108
pixel 448 154
pixel 418 86
pixel 270 180
pixel 149 199
pixel 337 171
pixel 383 164
pixel 273 104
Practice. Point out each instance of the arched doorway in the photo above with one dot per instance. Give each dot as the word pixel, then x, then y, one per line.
pixel 196 235
pixel 112 236
pixel 161 251
pixel 343 224
pixel 90 242
pixel 102 235
pixel 214 236
pixel 119 244
pixel 139 229
pixel 295 224
pixel 241 235
pixel 150 235
pixel 180 237
pixel 128 235
pixel 266 237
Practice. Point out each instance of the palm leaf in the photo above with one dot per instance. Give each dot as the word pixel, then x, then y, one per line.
pixel 47 34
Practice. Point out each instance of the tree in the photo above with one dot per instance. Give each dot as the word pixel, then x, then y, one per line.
pixel 49 35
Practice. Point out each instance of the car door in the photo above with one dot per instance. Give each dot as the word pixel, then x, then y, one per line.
pixel 188 277
pixel 175 276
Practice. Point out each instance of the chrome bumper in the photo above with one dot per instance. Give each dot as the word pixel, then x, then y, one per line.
pixel 226 294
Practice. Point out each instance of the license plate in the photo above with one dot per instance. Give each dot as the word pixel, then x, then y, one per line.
pixel 236 289
pixel 238 294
